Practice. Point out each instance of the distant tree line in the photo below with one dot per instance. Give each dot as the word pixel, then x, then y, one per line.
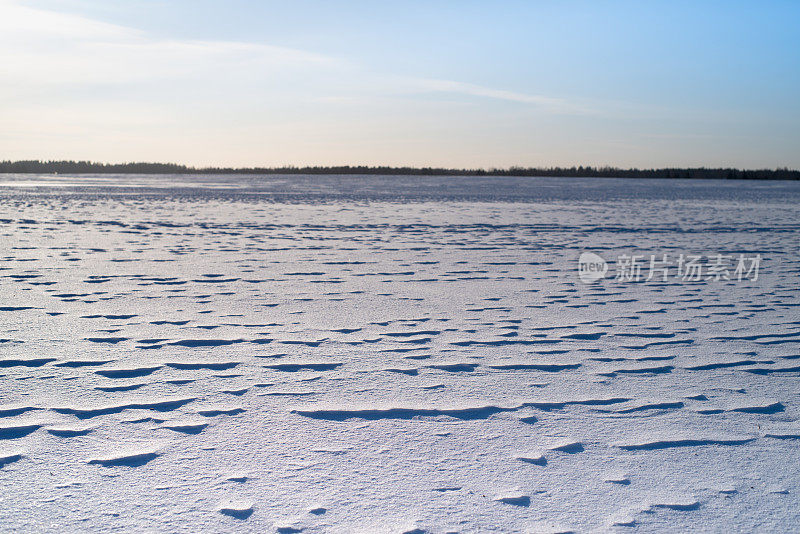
pixel 87 167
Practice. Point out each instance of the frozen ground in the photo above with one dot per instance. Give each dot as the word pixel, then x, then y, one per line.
pixel 333 354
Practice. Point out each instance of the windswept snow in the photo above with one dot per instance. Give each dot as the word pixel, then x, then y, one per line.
pixel 338 354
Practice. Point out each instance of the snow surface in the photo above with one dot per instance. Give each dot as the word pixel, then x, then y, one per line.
pixel 393 354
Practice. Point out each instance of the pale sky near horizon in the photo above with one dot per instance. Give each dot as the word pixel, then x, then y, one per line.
pixel 443 83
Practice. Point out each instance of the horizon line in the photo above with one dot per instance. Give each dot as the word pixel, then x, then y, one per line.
pixel 24 167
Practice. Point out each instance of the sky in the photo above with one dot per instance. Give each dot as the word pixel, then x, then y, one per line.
pixel 459 83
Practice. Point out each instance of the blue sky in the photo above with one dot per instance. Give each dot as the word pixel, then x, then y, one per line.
pixel 452 83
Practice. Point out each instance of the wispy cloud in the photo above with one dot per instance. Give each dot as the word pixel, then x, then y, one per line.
pixel 20 21
pixel 450 86
pixel 541 103
pixel 42 48
pixel 46 47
